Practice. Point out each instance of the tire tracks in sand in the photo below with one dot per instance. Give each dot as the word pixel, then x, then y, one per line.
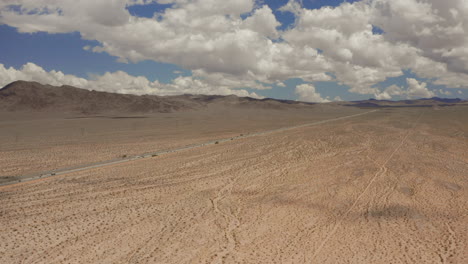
pixel 382 170
pixel 232 222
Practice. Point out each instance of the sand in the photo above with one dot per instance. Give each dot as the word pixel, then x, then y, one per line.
pixel 386 187
pixel 35 142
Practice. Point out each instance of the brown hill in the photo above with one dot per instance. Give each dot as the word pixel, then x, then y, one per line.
pixel 424 102
pixel 33 96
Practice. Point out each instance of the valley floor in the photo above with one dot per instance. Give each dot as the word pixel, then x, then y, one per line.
pixel 386 187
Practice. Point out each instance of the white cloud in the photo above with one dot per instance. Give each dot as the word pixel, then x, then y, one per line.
pixel 32 72
pixel 389 92
pixel 208 37
pixel 358 57
pixel 337 99
pixel 436 29
pixel 307 93
pixel 446 93
pixel 280 84
pixel 383 96
pixel 228 51
pixel 415 89
pixel 117 82
pixel 292 6
pixel 263 21
pixel 418 89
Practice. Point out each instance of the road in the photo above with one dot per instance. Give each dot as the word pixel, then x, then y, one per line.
pixel 62 171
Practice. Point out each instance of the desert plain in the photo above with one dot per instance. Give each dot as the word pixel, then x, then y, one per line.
pixel 387 186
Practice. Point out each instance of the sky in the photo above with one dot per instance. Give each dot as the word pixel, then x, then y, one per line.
pixel 309 50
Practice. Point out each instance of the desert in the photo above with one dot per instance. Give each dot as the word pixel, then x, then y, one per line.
pixel 386 185
pixel 241 131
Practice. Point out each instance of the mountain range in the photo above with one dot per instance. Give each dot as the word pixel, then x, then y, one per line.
pixel 33 96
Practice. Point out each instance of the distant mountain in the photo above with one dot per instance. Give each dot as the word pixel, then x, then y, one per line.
pixel 444 100
pixel 425 102
pixel 33 96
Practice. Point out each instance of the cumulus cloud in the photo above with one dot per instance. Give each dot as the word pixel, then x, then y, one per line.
pixel 292 6
pixel 263 21
pixel 33 72
pixel 446 93
pixel 337 99
pixel 280 84
pixel 435 29
pixel 389 92
pixel 232 44
pixel 358 57
pixel 208 37
pixel 307 93
pixel 117 82
pixel 414 89
pixel 418 89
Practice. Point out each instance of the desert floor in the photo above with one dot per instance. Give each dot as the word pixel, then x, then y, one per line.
pixel 386 187
pixel 36 142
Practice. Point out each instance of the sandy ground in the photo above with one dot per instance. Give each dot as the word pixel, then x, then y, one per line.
pixel 387 187
pixel 32 143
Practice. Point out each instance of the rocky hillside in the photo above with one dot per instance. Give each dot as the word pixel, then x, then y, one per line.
pixel 33 96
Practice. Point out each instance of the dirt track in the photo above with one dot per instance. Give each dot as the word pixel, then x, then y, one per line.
pixel 387 187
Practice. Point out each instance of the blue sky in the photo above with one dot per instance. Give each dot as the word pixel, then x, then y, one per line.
pixel 65 52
